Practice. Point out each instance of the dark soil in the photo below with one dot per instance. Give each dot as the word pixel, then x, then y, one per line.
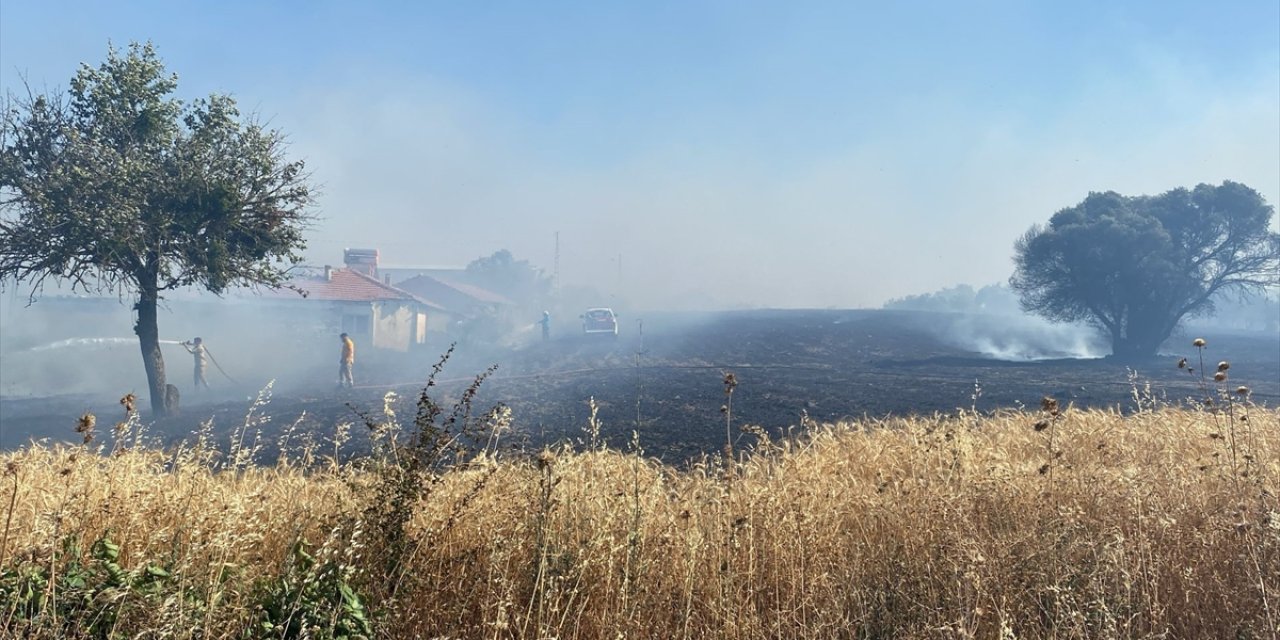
pixel 666 383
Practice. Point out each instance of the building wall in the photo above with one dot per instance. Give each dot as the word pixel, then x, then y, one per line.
pixel 393 325
pixel 420 328
pixel 359 319
pixel 441 322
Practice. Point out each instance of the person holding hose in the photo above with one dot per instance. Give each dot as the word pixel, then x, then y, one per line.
pixel 348 359
pixel 195 347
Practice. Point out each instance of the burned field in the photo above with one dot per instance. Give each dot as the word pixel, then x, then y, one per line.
pixel 662 380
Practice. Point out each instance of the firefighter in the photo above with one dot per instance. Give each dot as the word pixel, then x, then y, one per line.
pixel 195 347
pixel 347 359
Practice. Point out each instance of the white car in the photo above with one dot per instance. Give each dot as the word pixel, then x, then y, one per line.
pixel 599 321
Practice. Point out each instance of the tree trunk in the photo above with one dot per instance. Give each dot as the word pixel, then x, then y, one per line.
pixel 149 339
pixel 1119 344
pixel 1143 346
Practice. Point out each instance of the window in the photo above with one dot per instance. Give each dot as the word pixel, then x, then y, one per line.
pixel 356 325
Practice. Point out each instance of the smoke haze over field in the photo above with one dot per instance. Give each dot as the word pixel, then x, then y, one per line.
pixel 704 155
pixel 62 345
pixel 688 156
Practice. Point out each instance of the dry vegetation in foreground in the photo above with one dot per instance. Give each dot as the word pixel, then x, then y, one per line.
pixel 1050 523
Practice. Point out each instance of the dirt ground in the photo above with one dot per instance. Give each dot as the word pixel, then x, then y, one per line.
pixel 662 379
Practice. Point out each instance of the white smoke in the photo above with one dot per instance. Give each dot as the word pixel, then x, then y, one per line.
pixel 1021 338
pixel 987 321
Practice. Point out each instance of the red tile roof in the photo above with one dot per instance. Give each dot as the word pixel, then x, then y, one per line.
pixel 483 295
pixel 345 285
pixel 451 293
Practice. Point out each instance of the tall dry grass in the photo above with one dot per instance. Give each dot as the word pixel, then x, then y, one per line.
pixel 1056 523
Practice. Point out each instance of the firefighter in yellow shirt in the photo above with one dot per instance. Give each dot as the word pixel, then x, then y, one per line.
pixel 344 364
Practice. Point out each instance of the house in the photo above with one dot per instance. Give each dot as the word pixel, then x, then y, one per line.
pixel 360 299
pixel 353 300
pixel 459 301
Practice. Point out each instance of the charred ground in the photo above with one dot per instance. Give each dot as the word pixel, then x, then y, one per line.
pixel 662 378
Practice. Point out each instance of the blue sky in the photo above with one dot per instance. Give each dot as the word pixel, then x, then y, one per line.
pixel 733 153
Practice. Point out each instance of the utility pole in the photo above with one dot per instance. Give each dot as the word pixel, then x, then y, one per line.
pixel 555 270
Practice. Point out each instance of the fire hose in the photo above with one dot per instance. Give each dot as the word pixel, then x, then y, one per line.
pixel 209 354
pixel 215 363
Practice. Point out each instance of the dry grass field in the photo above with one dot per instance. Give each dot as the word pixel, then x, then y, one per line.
pixel 1053 522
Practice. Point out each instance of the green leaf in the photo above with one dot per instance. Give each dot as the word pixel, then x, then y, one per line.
pixel 105 549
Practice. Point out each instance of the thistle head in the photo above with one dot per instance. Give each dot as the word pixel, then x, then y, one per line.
pixel 545 459
pixel 1049 404
pixel 730 382
pixel 85 426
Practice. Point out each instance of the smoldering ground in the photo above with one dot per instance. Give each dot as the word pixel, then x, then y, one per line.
pixel 1016 337
pixel 989 321
pixel 666 385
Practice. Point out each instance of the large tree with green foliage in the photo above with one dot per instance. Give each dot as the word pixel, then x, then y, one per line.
pixel 518 280
pixel 1135 266
pixel 119 186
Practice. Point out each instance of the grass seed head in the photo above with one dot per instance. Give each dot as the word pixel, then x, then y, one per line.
pixel 1182 364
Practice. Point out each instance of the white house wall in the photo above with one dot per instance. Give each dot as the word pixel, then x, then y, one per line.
pixel 393 325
